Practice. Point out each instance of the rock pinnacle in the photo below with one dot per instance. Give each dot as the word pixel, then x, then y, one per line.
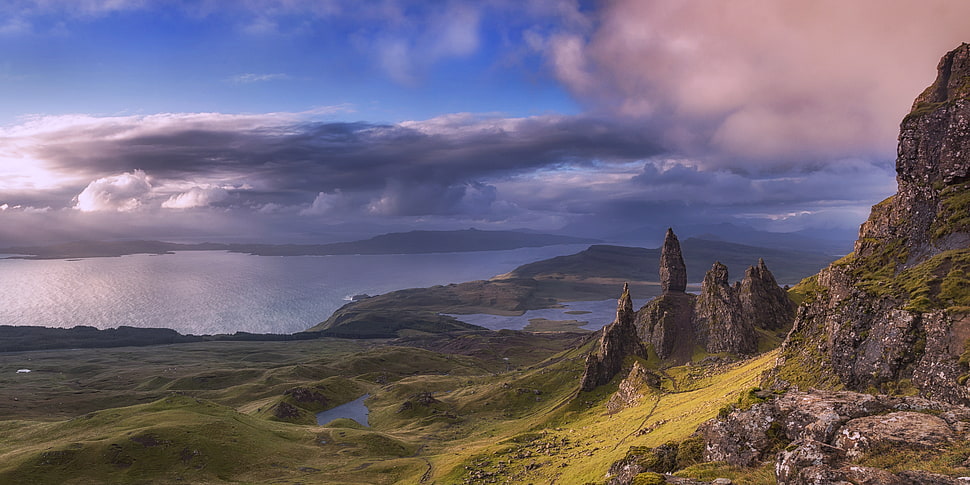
pixel 673 272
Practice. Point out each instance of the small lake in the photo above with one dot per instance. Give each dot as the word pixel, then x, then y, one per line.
pixel 596 314
pixel 355 410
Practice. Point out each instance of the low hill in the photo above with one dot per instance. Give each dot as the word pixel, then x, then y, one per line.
pixel 596 273
pixel 640 264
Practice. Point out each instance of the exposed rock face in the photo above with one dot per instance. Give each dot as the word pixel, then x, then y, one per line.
pixel 618 341
pixel 891 315
pixel 719 321
pixel 813 436
pixel 673 271
pixel 763 302
pixel 934 143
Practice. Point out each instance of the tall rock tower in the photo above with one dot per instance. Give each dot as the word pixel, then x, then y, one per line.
pixel 667 321
pixel 673 271
pixel 719 321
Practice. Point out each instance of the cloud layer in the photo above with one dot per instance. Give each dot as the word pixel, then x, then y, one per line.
pixel 286 170
pixel 780 114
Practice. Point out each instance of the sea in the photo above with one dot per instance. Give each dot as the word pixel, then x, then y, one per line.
pixel 217 292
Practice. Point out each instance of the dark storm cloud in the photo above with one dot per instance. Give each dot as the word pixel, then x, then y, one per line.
pixel 442 159
pixel 239 173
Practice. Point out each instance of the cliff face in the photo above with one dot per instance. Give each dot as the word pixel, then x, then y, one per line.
pixel 893 316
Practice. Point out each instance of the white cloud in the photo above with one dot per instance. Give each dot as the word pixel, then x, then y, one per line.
pixel 121 193
pixel 196 197
pixel 250 78
pixel 325 203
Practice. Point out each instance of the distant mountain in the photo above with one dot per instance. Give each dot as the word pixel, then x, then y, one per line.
pixel 414 242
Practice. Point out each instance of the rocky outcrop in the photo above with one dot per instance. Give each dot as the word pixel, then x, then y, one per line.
pixel 813 437
pixel 619 340
pixel 673 271
pixel 638 384
pixel 893 316
pixel 676 322
pixel 722 318
pixel 763 303
pixel 719 321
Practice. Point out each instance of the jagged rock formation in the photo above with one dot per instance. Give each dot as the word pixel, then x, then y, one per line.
pixel 667 324
pixel 676 322
pixel 673 271
pixel 719 320
pixel 813 437
pixel 763 302
pixel 618 341
pixel 722 318
pixel 894 314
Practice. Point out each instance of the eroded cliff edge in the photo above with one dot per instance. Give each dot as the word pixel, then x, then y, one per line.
pixel 892 317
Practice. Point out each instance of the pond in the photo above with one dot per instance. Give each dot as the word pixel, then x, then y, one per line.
pixel 355 410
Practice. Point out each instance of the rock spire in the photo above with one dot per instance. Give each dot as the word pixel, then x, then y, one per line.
pixel 763 302
pixel 673 272
pixel 618 341
pixel 719 322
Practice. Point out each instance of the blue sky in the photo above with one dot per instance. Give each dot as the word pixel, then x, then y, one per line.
pixel 122 58
pixel 321 120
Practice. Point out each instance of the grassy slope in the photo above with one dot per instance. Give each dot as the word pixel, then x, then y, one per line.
pixel 66 425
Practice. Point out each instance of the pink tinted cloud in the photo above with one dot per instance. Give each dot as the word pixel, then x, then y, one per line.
pixel 763 80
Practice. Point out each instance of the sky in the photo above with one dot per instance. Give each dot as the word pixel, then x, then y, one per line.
pixel 321 120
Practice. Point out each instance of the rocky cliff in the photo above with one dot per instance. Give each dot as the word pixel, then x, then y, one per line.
pixel 893 315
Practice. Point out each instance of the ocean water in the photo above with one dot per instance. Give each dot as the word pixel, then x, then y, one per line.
pixel 210 292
